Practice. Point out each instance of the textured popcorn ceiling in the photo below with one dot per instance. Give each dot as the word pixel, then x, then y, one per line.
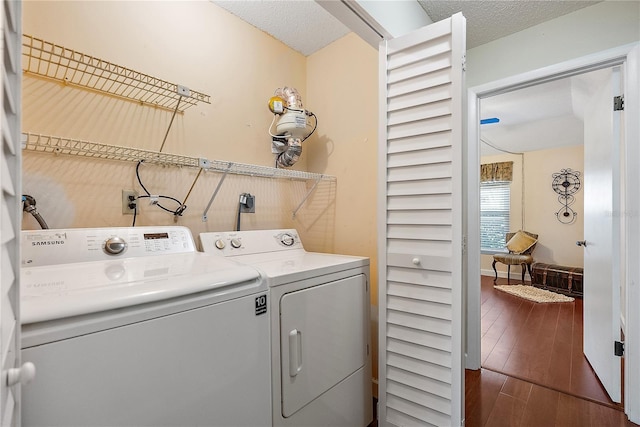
pixel 490 20
pixel 300 24
pixel 306 27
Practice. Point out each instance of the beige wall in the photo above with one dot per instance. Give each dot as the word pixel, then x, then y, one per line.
pixel 556 241
pixel 196 44
pixel 342 84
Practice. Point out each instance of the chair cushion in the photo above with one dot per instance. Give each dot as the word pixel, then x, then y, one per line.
pixel 520 242
pixel 513 259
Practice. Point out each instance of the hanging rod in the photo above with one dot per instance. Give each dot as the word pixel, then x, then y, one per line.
pixel 52 61
pixel 75 147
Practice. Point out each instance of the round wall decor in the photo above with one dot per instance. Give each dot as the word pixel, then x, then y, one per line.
pixel 566 183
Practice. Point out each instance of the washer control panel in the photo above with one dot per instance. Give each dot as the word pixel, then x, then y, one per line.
pixel 63 246
pixel 234 243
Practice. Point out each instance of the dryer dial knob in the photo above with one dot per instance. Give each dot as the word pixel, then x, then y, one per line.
pixel 115 245
pixel 220 244
pixel 287 239
pixel 236 243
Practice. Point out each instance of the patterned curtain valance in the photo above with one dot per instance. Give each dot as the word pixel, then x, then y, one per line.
pixel 502 171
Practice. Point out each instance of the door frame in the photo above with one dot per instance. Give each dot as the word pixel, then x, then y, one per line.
pixel 628 57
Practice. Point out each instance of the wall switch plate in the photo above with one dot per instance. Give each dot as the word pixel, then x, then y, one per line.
pixel 129 199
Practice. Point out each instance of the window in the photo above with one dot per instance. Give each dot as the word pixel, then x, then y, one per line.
pixel 494 214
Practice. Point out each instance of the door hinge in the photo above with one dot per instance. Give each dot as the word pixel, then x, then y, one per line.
pixel 464 245
pixel 464 62
pixel 618 348
pixel 618 103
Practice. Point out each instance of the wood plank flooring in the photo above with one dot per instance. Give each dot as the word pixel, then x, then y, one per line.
pixel 534 373
pixel 497 400
pixel 539 343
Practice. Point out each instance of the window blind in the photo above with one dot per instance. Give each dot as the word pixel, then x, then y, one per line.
pixel 495 201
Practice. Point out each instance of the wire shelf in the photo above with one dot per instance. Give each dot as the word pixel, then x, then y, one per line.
pixel 46 59
pixel 75 147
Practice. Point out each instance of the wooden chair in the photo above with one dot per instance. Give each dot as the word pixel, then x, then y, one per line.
pixel 520 245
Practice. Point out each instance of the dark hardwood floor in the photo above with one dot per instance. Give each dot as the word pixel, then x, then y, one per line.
pixel 534 372
pixel 496 400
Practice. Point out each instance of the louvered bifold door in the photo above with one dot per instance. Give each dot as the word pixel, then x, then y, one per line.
pixel 10 213
pixel 420 215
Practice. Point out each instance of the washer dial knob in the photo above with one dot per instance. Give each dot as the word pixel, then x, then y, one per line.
pixel 236 243
pixel 220 244
pixel 287 239
pixel 115 245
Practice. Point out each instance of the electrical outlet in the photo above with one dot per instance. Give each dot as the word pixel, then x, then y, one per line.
pixel 247 203
pixel 129 201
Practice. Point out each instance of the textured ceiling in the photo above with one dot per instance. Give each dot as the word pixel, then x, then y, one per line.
pixel 300 24
pixel 306 27
pixel 491 20
pixel 549 115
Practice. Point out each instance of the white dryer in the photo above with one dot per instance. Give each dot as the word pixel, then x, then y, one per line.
pixel 321 363
pixel 133 326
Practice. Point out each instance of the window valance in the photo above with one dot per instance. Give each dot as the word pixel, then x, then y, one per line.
pixel 492 172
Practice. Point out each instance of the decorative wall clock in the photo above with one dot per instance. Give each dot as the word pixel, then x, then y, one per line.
pixel 566 183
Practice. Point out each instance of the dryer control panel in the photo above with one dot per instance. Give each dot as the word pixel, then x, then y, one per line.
pixel 233 243
pixel 63 246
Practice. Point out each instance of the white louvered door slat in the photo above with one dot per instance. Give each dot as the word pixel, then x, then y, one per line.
pixel 420 212
pixel 10 210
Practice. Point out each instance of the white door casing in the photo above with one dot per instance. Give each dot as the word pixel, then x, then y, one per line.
pixel 627 56
pixel 420 213
pixel 632 230
pixel 601 234
pixel 10 214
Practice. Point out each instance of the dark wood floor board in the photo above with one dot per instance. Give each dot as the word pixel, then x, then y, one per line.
pixel 496 400
pixel 585 383
pixel 481 391
pixel 602 416
pixel 516 322
pixel 573 413
pixel 542 407
pixel 559 369
pixel 517 388
pixel 507 412
pixel 531 331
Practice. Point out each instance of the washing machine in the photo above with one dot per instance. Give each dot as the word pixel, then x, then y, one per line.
pixel 134 326
pixel 319 306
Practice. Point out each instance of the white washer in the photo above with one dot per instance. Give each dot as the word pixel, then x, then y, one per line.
pixel 321 363
pixel 133 326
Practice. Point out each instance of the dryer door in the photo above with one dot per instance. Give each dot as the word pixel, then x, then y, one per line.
pixel 322 339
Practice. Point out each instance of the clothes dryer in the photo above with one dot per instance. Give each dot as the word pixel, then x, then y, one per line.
pixel 320 343
pixel 133 326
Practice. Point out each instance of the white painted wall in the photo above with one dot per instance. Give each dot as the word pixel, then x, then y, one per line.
pixel 397 17
pixel 589 30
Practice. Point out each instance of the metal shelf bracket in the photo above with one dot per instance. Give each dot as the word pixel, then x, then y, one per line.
pixel 215 192
pixel 311 190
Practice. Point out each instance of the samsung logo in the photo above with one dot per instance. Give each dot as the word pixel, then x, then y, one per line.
pixel 48 243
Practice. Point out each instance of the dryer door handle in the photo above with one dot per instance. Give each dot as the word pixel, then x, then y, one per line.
pixel 295 352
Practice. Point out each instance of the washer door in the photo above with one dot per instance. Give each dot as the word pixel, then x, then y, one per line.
pixel 322 339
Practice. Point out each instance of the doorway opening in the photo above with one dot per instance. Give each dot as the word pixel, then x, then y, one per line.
pixel 538 131
pixel 609 59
